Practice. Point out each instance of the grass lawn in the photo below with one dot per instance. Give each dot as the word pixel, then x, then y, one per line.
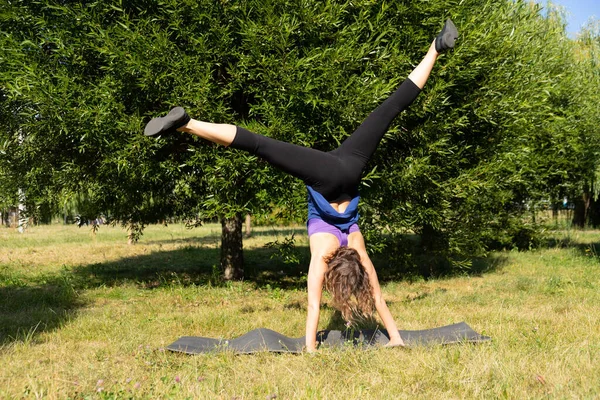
pixel 85 316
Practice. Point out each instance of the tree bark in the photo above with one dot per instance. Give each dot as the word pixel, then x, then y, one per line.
pixel 593 219
pixel 555 208
pixel 581 212
pixel 134 231
pixel 232 254
pixel 21 212
pixel 248 223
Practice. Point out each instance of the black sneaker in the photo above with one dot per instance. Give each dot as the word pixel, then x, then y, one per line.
pixel 447 37
pixel 176 118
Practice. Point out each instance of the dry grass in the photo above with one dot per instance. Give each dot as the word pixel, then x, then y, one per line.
pixel 85 317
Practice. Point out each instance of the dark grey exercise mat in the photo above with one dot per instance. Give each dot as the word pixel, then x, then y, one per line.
pixel 267 340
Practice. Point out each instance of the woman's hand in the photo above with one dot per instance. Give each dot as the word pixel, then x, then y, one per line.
pixel 310 350
pixel 395 343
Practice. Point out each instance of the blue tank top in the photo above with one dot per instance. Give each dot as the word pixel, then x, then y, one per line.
pixel 320 208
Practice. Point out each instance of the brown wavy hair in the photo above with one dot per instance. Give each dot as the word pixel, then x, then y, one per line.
pixel 348 283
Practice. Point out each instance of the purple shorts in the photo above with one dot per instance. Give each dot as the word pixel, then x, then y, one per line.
pixel 316 225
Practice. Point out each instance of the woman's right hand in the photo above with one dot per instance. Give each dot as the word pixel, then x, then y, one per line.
pixel 395 343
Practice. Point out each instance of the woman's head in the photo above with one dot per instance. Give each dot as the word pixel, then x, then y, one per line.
pixel 348 283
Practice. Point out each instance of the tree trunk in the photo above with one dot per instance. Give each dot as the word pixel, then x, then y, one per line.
pixel 232 255
pixel 22 224
pixel 21 211
pixel 134 231
pixel 434 246
pixel 594 213
pixel 248 224
pixel 581 213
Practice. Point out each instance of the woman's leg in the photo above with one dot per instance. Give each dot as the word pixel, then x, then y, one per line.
pixel 225 133
pixel 216 133
pixel 357 149
pixel 316 168
pixel 324 171
pixel 420 74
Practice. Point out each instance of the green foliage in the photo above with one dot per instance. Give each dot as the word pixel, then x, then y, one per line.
pixel 285 250
pixel 508 119
pixel 498 129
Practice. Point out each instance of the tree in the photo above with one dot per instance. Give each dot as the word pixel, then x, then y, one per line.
pixel 456 169
pixel 489 139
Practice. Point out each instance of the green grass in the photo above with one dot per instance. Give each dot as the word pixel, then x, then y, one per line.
pixel 89 317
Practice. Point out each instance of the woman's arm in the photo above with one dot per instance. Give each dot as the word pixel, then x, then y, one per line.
pixel 357 242
pixel 321 245
pixel 316 273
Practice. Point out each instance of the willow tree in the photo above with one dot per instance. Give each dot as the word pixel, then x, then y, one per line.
pixel 94 73
pixel 581 105
pixel 455 169
pixel 505 123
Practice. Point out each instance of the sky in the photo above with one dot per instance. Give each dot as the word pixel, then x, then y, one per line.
pixel 578 12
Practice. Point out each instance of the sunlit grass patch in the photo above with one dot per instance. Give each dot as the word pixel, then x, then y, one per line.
pixel 85 317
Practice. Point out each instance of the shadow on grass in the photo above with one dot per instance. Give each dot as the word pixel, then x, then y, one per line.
pixel 215 239
pixel 192 241
pixel 591 250
pixel 193 265
pixel 337 323
pixel 420 267
pixel 44 304
pixel 587 249
pixel 28 309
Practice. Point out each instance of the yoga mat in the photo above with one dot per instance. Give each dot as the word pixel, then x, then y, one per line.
pixel 263 339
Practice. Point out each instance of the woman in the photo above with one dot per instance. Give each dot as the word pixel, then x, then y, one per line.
pixel 338 254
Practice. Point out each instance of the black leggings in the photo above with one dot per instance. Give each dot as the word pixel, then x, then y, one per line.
pixel 334 174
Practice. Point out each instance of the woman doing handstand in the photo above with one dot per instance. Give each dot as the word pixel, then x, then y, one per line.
pixel 338 254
